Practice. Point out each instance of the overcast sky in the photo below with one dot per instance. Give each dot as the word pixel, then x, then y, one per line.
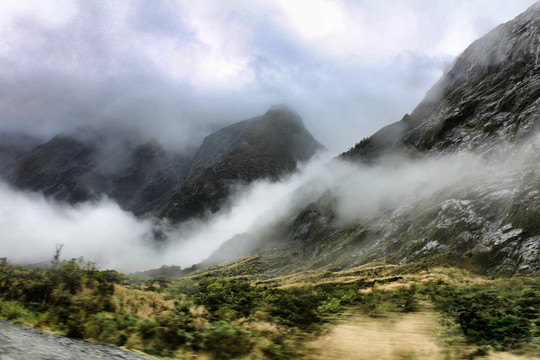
pixel 177 69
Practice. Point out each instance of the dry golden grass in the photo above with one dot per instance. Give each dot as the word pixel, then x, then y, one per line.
pixel 400 336
pixel 365 269
pixel 507 356
pixel 376 274
pixel 393 286
pixel 144 303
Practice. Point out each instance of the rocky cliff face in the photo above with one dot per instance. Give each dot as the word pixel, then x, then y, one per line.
pixel 487 104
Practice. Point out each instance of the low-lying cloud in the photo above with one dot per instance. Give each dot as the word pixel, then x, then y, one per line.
pixel 32 226
pixel 102 232
pixel 176 70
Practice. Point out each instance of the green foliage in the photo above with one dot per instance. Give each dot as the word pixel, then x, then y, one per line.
pixel 234 297
pixel 67 293
pixel 226 341
pixel 332 305
pixel 226 318
pixel 17 313
pixel 500 318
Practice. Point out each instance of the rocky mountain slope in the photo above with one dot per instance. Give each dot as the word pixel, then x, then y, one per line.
pixel 486 111
pixel 489 95
pixel 149 180
pixel 266 147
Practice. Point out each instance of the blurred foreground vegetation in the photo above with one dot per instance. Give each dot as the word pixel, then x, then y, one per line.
pixel 251 317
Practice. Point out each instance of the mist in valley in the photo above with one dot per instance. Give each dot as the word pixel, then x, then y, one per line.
pixel 172 73
pixel 103 233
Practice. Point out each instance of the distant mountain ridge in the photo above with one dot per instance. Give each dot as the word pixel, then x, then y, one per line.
pixel 75 170
pixel 148 180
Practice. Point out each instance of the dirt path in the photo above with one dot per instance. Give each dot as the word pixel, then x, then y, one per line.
pixel 23 343
pixel 396 336
pixel 400 336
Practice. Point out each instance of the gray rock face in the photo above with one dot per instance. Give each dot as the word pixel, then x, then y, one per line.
pixel 23 343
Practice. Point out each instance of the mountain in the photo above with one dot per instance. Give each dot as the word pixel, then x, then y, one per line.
pixel 83 168
pixel 12 147
pixel 265 147
pixel 485 107
pixel 148 180
pixel 487 96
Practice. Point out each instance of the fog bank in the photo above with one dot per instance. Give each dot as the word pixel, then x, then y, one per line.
pixel 102 232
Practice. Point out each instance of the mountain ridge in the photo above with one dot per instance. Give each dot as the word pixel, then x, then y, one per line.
pixel 265 147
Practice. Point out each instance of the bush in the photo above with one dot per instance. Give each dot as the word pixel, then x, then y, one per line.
pixel 16 313
pixel 501 319
pixel 226 341
pixel 332 305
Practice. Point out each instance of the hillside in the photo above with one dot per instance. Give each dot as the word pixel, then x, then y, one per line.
pixel 411 311
pixel 481 118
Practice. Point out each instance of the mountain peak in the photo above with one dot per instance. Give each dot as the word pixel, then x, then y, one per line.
pixel 281 109
pixel 284 112
pixel 266 146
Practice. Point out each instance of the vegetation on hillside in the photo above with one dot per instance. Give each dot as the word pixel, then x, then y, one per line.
pixel 225 318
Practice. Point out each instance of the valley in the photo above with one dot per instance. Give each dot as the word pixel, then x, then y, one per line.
pixel 422 241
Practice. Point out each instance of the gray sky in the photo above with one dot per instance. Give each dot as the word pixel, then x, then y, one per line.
pixel 175 70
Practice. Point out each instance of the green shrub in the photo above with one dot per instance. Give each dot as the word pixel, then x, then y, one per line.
pixel 17 313
pixel 332 305
pixel 226 341
pixel 103 327
pixel 502 318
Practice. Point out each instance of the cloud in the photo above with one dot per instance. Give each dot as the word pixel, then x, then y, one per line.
pixel 32 225
pixel 177 70
pixel 101 232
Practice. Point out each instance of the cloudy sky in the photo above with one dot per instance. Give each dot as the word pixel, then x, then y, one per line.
pixel 175 70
